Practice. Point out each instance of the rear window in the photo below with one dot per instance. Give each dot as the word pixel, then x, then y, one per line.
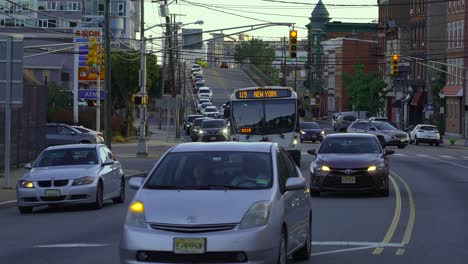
pixel 349 118
pixel 197 122
pixel 218 123
pixel 191 118
pixel 204 91
pixel 428 128
pixel 204 170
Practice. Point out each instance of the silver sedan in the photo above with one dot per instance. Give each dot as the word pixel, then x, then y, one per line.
pixel 71 174
pixel 219 203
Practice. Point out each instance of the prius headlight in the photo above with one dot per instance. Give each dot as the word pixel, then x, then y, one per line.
pixel 257 215
pixel 373 168
pixel 136 215
pixel 303 132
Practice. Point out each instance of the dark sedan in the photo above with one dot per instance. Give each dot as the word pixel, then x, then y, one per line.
pixel 311 131
pixel 214 130
pixel 195 128
pixel 350 162
pixel 189 121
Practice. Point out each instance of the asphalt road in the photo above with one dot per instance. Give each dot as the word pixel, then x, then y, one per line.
pixel 422 221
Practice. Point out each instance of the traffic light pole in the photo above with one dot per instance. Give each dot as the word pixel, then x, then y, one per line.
pixel 107 79
pixel 142 149
pixel 98 98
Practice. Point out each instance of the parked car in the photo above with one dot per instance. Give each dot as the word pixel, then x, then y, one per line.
pixel 211 111
pixel 311 131
pixel 214 130
pixel 195 128
pixel 387 134
pixel 197 86
pixel 382 119
pixel 224 202
pixel 201 101
pixel 350 162
pixel 196 67
pixel 189 121
pixel 83 129
pixel 425 134
pixel 62 134
pixel 71 174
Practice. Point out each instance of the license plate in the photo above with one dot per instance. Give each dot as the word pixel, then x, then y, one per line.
pixel 348 179
pixel 212 138
pixel 314 136
pixel 402 140
pixel 189 245
pixel 52 192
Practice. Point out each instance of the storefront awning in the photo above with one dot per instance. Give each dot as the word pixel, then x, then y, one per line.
pixel 418 98
pixel 453 90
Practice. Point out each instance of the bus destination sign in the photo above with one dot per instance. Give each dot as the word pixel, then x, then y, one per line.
pixel 263 93
pixel 246 130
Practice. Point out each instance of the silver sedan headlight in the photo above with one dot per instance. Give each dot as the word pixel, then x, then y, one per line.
pixel 257 215
pixel 26 184
pixel 83 181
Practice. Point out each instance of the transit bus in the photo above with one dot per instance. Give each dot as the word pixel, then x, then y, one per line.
pixel 269 114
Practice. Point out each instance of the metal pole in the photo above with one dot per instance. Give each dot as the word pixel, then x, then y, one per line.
pixel 75 85
pixel 107 81
pixel 142 147
pixel 283 80
pixel 98 99
pixel 295 75
pixel 9 64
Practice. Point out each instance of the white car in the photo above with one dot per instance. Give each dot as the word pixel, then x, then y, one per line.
pixel 204 106
pixel 211 111
pixel 205 92
pixel 425 134
pixel 201 101
pixel 196 67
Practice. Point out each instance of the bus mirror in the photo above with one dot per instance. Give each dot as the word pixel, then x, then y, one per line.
pixel 301 112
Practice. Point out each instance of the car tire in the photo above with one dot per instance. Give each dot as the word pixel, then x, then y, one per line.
pixel 121 197
pixel 282 252
pixel 416 140
pixel 401 147
pixel 432 144
pixel 304 252
pixel 99 203
pixel 437 144
pixel 302 140
pixel 25 209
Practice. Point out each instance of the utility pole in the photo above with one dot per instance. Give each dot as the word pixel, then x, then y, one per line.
pixel 171 66
pixel 142 149
pixel 98 97
pixel 283 80
pixel 107 80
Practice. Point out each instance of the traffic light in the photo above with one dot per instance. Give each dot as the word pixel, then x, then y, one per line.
pixel 293 43
pixel 93 51
pixel 394 65
pixel 139 99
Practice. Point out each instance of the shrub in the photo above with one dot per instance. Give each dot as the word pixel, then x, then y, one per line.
pixel 452 140
pixel 118 139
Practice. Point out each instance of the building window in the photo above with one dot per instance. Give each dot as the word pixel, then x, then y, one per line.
pixel 42 23
pixel 101 9
pixel 462 40
pixel 2 22
pixel 73 6
pixel 121 9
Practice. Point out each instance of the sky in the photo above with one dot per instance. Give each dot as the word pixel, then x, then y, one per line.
pixel 237 13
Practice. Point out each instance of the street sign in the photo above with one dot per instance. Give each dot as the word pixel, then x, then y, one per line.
pixel 16 77
pixel 429 108
pixel 90 94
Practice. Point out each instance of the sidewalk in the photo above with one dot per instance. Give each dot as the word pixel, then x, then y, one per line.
pixel 8 195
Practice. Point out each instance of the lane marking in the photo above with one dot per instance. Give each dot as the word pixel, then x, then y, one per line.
pixel 465 157
pixel 400 252
pixel 412 211
pixel 71 245
pixel 355 243
pixel 422 155
pixel 396 218
pixel 341 250
pixel 458 165
pixel 400 155
pixel 446 156
pixel 8 202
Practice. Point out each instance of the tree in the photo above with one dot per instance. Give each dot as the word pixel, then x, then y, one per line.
pixel 201 62
pixel 257 52
pixel 58 98
pixel 366 90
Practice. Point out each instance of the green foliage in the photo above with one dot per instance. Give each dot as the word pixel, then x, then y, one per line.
pixel 366 90
pixel 452 140
pixel 257 52
pixel 58 98
pixel 201 62
pixel 125 77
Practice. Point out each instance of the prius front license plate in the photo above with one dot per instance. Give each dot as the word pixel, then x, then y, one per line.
pixel 189 245
pixel 348 180
pixel 52 192
pixel 212 138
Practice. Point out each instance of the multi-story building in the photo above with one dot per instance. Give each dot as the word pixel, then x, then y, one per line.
pixel 454 91
pixel 340 54
pixel 321 29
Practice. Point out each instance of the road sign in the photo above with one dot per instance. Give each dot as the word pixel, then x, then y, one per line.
pixel 429 108
pixel 90 94
pixel 15 79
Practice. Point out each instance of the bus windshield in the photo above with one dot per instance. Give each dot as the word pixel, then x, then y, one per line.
pixel 265 117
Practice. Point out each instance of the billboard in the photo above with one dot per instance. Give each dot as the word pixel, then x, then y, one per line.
pixel 84 72
pixel 192 38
